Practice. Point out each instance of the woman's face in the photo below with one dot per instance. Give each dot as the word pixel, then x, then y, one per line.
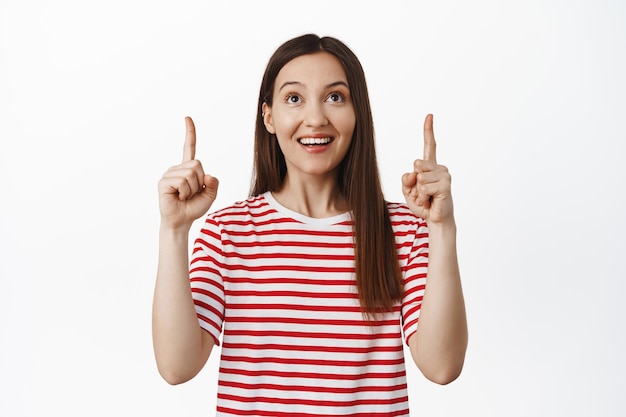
pixel 312 114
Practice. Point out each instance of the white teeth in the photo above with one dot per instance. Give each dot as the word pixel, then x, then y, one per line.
pixel 314 141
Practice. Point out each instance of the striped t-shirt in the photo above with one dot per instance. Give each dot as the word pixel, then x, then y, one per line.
pixel 282 287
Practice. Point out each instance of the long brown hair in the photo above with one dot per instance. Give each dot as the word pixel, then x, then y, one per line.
pixel 378 278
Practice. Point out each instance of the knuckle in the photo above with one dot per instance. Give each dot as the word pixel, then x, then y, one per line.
pixel 189 173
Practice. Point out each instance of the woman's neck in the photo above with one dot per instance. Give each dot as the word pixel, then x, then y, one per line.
pixel 312 197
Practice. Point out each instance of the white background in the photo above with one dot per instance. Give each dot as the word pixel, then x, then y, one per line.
pixel 529 99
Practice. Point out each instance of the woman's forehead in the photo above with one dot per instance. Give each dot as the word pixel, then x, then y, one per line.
pixel 319 68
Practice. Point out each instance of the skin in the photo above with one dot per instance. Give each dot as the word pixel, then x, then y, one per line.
pixel 310 187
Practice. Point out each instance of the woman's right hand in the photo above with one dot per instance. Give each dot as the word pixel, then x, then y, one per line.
pixel 185 191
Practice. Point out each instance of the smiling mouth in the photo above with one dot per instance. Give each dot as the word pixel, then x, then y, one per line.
pixel 315 141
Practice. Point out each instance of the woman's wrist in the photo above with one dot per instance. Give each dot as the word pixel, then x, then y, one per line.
pixel 443 229
pixel 171 232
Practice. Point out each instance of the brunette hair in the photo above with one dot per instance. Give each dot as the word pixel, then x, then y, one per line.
pixel 378 277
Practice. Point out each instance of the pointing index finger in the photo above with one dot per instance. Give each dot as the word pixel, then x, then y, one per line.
pixel 430 146
pixel 189 150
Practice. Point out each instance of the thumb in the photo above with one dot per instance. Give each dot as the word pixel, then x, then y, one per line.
pixel 210 187
pixel 408 183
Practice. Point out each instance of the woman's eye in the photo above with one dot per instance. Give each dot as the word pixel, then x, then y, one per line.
pixel 292 98
pixel 336 98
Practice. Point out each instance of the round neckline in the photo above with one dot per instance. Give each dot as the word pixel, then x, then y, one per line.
pixel 324 221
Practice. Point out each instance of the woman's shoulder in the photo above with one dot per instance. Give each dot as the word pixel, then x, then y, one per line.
pixel 403 219
pixel 401 210
pixel 251 206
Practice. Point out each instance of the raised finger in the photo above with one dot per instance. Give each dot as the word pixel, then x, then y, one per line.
pixel 430 146
pixel 189 150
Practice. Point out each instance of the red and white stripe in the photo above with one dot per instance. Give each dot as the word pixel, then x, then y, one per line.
pixel 281 288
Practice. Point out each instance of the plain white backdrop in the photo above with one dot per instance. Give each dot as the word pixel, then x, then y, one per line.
pixel 529 99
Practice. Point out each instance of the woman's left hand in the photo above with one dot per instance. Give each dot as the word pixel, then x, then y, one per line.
pixel 427 188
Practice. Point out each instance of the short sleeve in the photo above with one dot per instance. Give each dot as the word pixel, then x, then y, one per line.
pixel 414 276
pixel 207 285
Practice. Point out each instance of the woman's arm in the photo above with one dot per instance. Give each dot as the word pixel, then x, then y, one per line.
pixel 438 346
pixel 181 346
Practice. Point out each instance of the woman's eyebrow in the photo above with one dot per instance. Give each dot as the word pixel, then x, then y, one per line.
pixel 334 84
pixel 289 83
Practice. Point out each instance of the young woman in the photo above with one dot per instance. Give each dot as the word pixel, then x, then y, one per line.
pixel 315 280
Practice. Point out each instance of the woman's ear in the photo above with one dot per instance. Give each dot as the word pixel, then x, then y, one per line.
pixel 267 119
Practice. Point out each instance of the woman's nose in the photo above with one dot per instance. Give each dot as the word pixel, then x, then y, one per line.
pixel 315 115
